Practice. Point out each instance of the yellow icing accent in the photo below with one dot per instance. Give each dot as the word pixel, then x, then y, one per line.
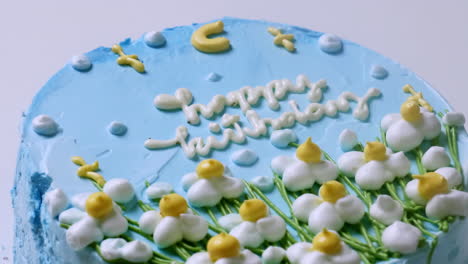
pixel 131 60
pixel 410 112
pixel 431 184
pixel 172 205
pixel 309 152
pixel 99 205
pixel 253 209
pixel 210 168
pixel 332 191
pixel 375 151
pixel 202 43
pixel 88 170
pixel 327 242
pixel 223 246
pixel 418 97
pixel 285 40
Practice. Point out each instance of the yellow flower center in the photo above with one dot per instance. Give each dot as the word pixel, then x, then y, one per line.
pixel 327 242
pixel 253 209
pixel 309 152
pixel 431 184
pixel 99 205
pixel 223 246
pixel 172 205
pixel 332 191
pixel 375 151
pixel 410 112
pixel 210 168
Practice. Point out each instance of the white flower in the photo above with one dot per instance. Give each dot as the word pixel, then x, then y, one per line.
pixel 120 190
pixel 434 189
pixel 375 166
pixel 401 237
pixel 434 158
pixel 116 248
pixel 311 253
pixel 273 255
pixel 407 130
pixel 301 173
pixel 174 223
pixel 206 189
pixel 331 210
pixel 253 225
pixel 56 201
pixel 386 210
pixel 86 229
pixel 245 257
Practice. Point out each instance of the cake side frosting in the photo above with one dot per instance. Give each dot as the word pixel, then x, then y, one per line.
pixel 84 103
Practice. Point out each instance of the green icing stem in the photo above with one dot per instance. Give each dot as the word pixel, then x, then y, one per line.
pixel 282 189
pixel 215 220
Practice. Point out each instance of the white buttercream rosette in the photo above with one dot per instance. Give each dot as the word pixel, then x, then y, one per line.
pixel 135 251
pixel 373 174
pixel 403 135
pixel 245 257
pixel 253 231
pixel 443 202
pixel 306 253
pixel 207 189
pixel 86 229
pixel 328 212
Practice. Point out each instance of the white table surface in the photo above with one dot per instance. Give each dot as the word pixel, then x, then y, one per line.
pixel 38 37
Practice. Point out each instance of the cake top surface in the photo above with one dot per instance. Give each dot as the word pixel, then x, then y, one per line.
pixel 131 117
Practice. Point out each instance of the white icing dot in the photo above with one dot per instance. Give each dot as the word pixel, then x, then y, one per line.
pixel 81 63
pixel 154 39
pixel 454 119
pixel 330 43
pixel 347 139
pixel 281 138
pixel 44 125
pixel 244 157
pixel 264 183
pixel 136 251
pixel 158 190
pixel 378 72
pixel 117 128
pixel 213 77
pixel 401 237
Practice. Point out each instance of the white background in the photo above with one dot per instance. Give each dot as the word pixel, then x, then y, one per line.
pixel 38 37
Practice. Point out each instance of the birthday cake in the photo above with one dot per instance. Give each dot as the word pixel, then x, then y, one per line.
pixel 239 141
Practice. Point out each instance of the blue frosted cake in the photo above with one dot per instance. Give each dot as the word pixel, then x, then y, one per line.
pixel 239 141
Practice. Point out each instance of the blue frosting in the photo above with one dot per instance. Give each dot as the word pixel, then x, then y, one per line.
pixel 110 92
pixel 213 77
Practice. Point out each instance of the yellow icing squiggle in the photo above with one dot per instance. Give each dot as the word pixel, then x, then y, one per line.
pixel 131 60
pixel 285 40
pixel 417 97
pixel 88 170
pixel 202 43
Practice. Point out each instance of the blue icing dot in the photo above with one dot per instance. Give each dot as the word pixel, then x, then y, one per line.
pixel 117 128
pixel 264 183
pixel 330 43
pixel 44 125
pixel 244 157
pixel 81 63
pixel 378 72
pixel 213 77
pixel 154 39
pixel 281 138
